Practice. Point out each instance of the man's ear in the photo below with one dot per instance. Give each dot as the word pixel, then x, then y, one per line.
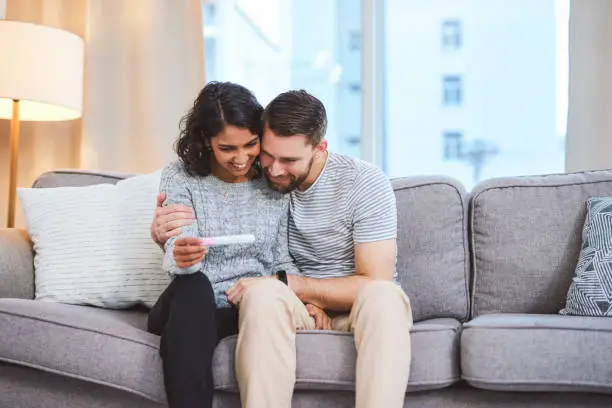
pixel 322 146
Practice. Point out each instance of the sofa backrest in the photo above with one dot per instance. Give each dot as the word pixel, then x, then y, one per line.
pixel 77 178
pixel 433 260
pixel 525 241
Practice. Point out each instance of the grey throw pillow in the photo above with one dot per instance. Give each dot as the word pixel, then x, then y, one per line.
pixel 590 293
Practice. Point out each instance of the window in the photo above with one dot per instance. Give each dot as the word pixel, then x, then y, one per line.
pixel 451 34
pixel 509 80
pixel 453 145
pixel 271 46
pixel 390 91
pixel 452 90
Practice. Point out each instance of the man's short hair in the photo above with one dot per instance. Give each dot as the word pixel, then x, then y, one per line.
pixel 296 112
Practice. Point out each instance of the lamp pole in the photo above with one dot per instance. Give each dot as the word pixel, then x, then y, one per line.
pixel 14 155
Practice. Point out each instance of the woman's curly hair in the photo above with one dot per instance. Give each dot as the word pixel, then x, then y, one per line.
pixel 218 105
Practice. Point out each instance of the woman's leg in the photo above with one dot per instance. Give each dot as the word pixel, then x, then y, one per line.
pixel 188 340
pixel 227 322
pixel 158 316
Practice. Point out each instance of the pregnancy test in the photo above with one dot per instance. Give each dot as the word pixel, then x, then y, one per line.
pixel 228 240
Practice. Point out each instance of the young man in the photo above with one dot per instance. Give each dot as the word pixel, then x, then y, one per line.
pixel 342 236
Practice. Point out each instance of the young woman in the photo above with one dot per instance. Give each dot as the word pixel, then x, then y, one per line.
pixel 218 175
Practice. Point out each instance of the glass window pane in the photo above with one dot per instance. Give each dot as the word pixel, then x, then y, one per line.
pixel 451 34
pixel 500 68
pixel 271 46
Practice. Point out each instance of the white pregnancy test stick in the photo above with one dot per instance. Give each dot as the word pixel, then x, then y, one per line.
pixel 228 240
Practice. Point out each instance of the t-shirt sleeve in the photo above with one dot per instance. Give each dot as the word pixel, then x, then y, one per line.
pixel 175 184
pixel 374 207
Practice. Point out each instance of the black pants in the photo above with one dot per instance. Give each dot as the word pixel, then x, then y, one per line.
pixel 190 326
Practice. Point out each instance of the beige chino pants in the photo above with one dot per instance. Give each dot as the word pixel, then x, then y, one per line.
pixel 270 315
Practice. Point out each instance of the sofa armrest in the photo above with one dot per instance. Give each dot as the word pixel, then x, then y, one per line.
pixel 16 264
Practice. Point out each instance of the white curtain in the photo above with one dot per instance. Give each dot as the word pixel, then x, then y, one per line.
pixel 589 127
pixel 144 66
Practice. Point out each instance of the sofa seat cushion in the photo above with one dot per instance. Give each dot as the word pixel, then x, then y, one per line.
pixel 102 346
pixel 326 359
pixel 520 352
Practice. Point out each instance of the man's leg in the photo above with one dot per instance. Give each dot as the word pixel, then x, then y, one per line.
pixel 268 318
pixel 380 320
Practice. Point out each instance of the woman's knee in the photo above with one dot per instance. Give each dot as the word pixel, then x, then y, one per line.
pixel 193 290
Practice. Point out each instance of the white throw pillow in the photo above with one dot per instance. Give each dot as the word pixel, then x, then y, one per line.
pixel 93 245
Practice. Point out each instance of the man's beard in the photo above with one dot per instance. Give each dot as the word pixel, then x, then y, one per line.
pixel 294 182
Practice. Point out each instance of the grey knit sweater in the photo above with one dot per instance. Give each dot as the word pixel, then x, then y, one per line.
pixel 230 209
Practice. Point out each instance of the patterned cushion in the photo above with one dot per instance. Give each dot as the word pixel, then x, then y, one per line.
pixel 590 293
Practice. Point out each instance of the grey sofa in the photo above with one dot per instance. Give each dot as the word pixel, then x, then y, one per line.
pixel 486 273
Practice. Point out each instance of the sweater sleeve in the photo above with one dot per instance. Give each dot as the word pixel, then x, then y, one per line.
pixel 174 182
pixel 282 258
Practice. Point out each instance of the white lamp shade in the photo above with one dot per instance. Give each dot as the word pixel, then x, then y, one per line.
pixel 42 67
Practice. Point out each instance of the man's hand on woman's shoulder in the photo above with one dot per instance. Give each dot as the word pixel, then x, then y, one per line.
pixel 169 220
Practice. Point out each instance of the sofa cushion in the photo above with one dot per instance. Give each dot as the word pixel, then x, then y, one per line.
pixel 326 360
pixel 519 352
pixel 25 387
pixel 97 345
pixel 526 235
pixel 112 348
pixel 433 261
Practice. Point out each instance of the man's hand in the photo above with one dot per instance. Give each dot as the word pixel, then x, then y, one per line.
pixel 188 251
pixel 235 293
pixel 322 320
pixel 168 220
pixel 373 261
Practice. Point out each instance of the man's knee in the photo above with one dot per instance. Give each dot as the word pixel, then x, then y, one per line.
pixel 383 296
pixel 263 296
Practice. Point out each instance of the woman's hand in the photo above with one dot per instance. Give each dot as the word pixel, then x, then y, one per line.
pixel 188 251
pixel 322 320
pixel 235 293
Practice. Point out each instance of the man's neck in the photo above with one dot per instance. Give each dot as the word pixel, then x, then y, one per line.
pixel 315 172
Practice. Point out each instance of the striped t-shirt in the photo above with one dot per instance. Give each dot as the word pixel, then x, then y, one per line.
pixel 351 202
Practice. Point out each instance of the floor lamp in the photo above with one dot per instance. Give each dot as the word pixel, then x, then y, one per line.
pixel 41 79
